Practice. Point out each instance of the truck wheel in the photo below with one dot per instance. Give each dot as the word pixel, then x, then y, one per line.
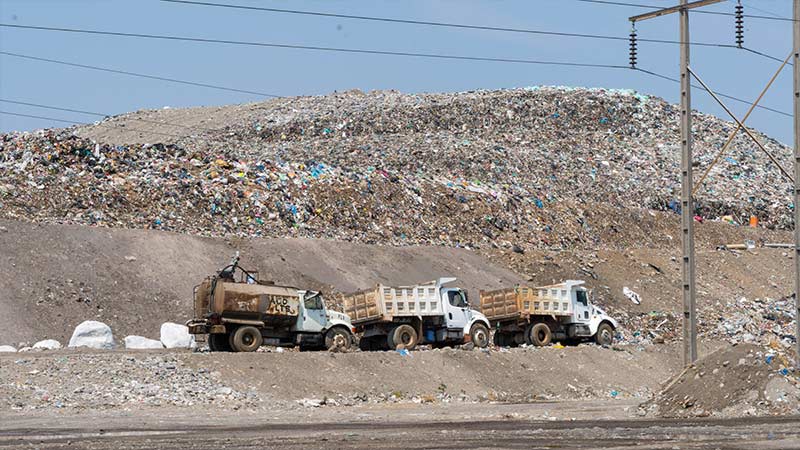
pixel 247 339
pixel 338 339
pixel 219 343
pixel 540 335
pixel 604 335
pixel 480 335
pixel 404 335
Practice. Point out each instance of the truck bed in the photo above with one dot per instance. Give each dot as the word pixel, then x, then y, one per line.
pixel 383 303
pixel 522 301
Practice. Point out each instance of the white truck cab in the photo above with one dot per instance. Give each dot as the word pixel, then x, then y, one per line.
pixel 459 314
pixel 586 318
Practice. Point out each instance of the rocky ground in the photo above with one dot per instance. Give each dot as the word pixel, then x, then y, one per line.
pixel 78 380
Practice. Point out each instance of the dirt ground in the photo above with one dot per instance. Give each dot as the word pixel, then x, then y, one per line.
pixel 77 380
pixel 548 398
pixel 605 425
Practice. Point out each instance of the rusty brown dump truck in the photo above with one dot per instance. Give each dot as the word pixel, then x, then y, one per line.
pixel 242 314
pixel 543 314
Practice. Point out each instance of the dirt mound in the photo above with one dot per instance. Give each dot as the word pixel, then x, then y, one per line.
pixel 56 276
pixel 734 381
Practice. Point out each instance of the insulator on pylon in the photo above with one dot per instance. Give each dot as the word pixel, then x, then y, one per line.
pixel 633 48
pixel 739 24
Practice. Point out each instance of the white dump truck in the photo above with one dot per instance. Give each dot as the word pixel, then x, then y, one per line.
pixel 241 314
pixel 430 313
pixel 544 314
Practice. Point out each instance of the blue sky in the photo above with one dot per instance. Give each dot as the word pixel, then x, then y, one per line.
pixel 303 72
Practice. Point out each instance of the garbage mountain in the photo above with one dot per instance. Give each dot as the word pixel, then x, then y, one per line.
pixel 542 167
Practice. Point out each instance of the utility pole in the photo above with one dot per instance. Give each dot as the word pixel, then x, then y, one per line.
pixel 796 201
pixel 687 205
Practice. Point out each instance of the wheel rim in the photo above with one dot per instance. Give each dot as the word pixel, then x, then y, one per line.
pixel 480 338
pixel 338 340
pixel 405 338
pixel 605 336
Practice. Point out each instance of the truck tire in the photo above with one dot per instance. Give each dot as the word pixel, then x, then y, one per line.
pixel 338 339
pixel 404 335
pixel 480 335
pixel 247 339
pixel 219 343
pixel 539 334
pixel 604 335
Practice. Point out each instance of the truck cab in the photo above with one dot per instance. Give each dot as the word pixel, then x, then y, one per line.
pixel 586 319
pixel 314 317
pixel 459 315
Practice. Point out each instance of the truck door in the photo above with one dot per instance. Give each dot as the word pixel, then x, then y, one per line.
pixel 313 313
pixel 456 308
pixel 583 311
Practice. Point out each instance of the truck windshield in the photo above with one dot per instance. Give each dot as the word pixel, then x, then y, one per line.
pixel 457 299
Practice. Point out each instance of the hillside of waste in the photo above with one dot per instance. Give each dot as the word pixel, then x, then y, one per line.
pixel 542 167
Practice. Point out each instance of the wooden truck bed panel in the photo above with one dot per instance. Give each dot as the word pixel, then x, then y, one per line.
pixel 386 302
pixel 362 306
pixel 521 301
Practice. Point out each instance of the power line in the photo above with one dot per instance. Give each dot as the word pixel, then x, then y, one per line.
pixel 717 13
pixel 53 119
pixel 134 74
pixel 57 108
pixel 435 24
pixel 99 114
pixel 729 97
pixel 315 48
pixel 36 105
pixel 756 52
pixel 749 5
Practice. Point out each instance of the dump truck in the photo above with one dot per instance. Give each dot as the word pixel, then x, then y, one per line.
pixel 541 315
pixel 404 316
pixel 242 314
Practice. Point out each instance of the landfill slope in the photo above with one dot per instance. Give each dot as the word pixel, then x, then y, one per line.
pixel 522 168
pixel 56 276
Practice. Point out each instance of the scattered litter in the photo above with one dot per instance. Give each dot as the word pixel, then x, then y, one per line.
pixel 632 296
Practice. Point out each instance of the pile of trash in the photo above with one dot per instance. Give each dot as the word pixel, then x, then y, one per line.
pixel 761 321
pixel 536 167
